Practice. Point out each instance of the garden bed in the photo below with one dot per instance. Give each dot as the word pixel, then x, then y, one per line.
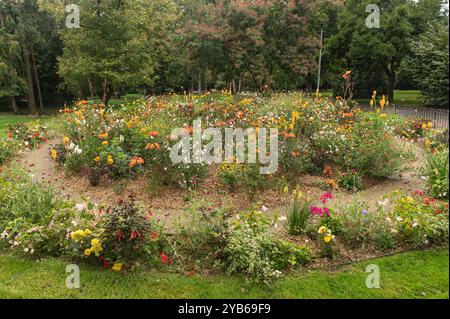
pixel 349 187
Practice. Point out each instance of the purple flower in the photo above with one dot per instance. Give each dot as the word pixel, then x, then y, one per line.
pixel 364 212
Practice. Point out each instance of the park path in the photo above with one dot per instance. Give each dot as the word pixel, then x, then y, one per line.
pixel 39 163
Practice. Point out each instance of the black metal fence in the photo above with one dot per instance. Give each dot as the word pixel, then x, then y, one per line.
pixel 439 117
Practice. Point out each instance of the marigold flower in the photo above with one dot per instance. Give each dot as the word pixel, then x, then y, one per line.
pixel 328 238
pixel 110 160
pixel 54 154
pixel 117 267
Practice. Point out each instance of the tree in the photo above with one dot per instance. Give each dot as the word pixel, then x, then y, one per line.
pixel 429 65
pixel 120 44
pixel 11 84
pixel 375 54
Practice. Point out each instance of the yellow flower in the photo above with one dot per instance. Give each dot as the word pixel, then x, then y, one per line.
pixel 87 232
pixel 87 252
pixel 104 143
pixel 430 125
pixel 97 159
pixel 96 246
pixel 117 267
pixel 286 189
pixel 110 160
pixel 424 126
pixel 328 238
pixel 66 140
pixel 322 230
pixel 427 142
pixel 54 154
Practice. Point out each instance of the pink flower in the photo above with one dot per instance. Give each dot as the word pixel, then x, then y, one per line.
pixel 326 196
pixel 326 211
pixel 316 211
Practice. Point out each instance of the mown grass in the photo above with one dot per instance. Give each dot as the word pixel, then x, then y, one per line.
pixel 420 274
pixel 401 97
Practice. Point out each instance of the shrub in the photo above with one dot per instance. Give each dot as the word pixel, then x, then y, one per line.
pixel 251 250
pixel 7 150
pixel 124 235
pixel 436 170
pixel 351 181
pixel 33 217
pixel 362 227
pixel 419 220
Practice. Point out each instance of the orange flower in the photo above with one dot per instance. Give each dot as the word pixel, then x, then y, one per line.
pixel 328 171
pixel 154 134
pixel 103 136
pixel 152 146
pixel 332 183
pixel 136 161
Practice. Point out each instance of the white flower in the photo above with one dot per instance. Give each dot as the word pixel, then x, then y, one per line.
pixel 384 203
pixel 394 231
pixel 264 209
pixel 4 235
pixel 282 218
pixel 415 224
pixel 399 219
pixel 80 207
pixel 77 150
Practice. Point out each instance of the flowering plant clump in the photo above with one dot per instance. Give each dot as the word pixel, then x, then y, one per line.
pixel 418 219
pixel 124 236
pixel 251 249
pixel 327 240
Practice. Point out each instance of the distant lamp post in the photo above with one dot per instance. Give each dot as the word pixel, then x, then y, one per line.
pixel 320 63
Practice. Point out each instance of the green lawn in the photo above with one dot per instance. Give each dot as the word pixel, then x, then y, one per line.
pixel 401 97
pixel 422 274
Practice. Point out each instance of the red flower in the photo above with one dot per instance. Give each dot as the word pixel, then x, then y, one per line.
pixel 155 235
pixel 119 235
pixel 164 258
pixel 419 193
pixel 134 235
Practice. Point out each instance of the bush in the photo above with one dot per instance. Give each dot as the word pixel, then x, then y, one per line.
pixel 124 236
pixel 251 250
pixel 362 227
pixel 419 220
pixel 351 181
pixel 33 217
pixel 436 170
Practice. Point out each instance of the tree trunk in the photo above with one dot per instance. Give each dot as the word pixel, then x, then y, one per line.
pixel 240 83
pixel 91 90
pixel 29 75
pixel 106 96
pixel 38 85
pixel 14 105
pixel 391 87
pixel 200 81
